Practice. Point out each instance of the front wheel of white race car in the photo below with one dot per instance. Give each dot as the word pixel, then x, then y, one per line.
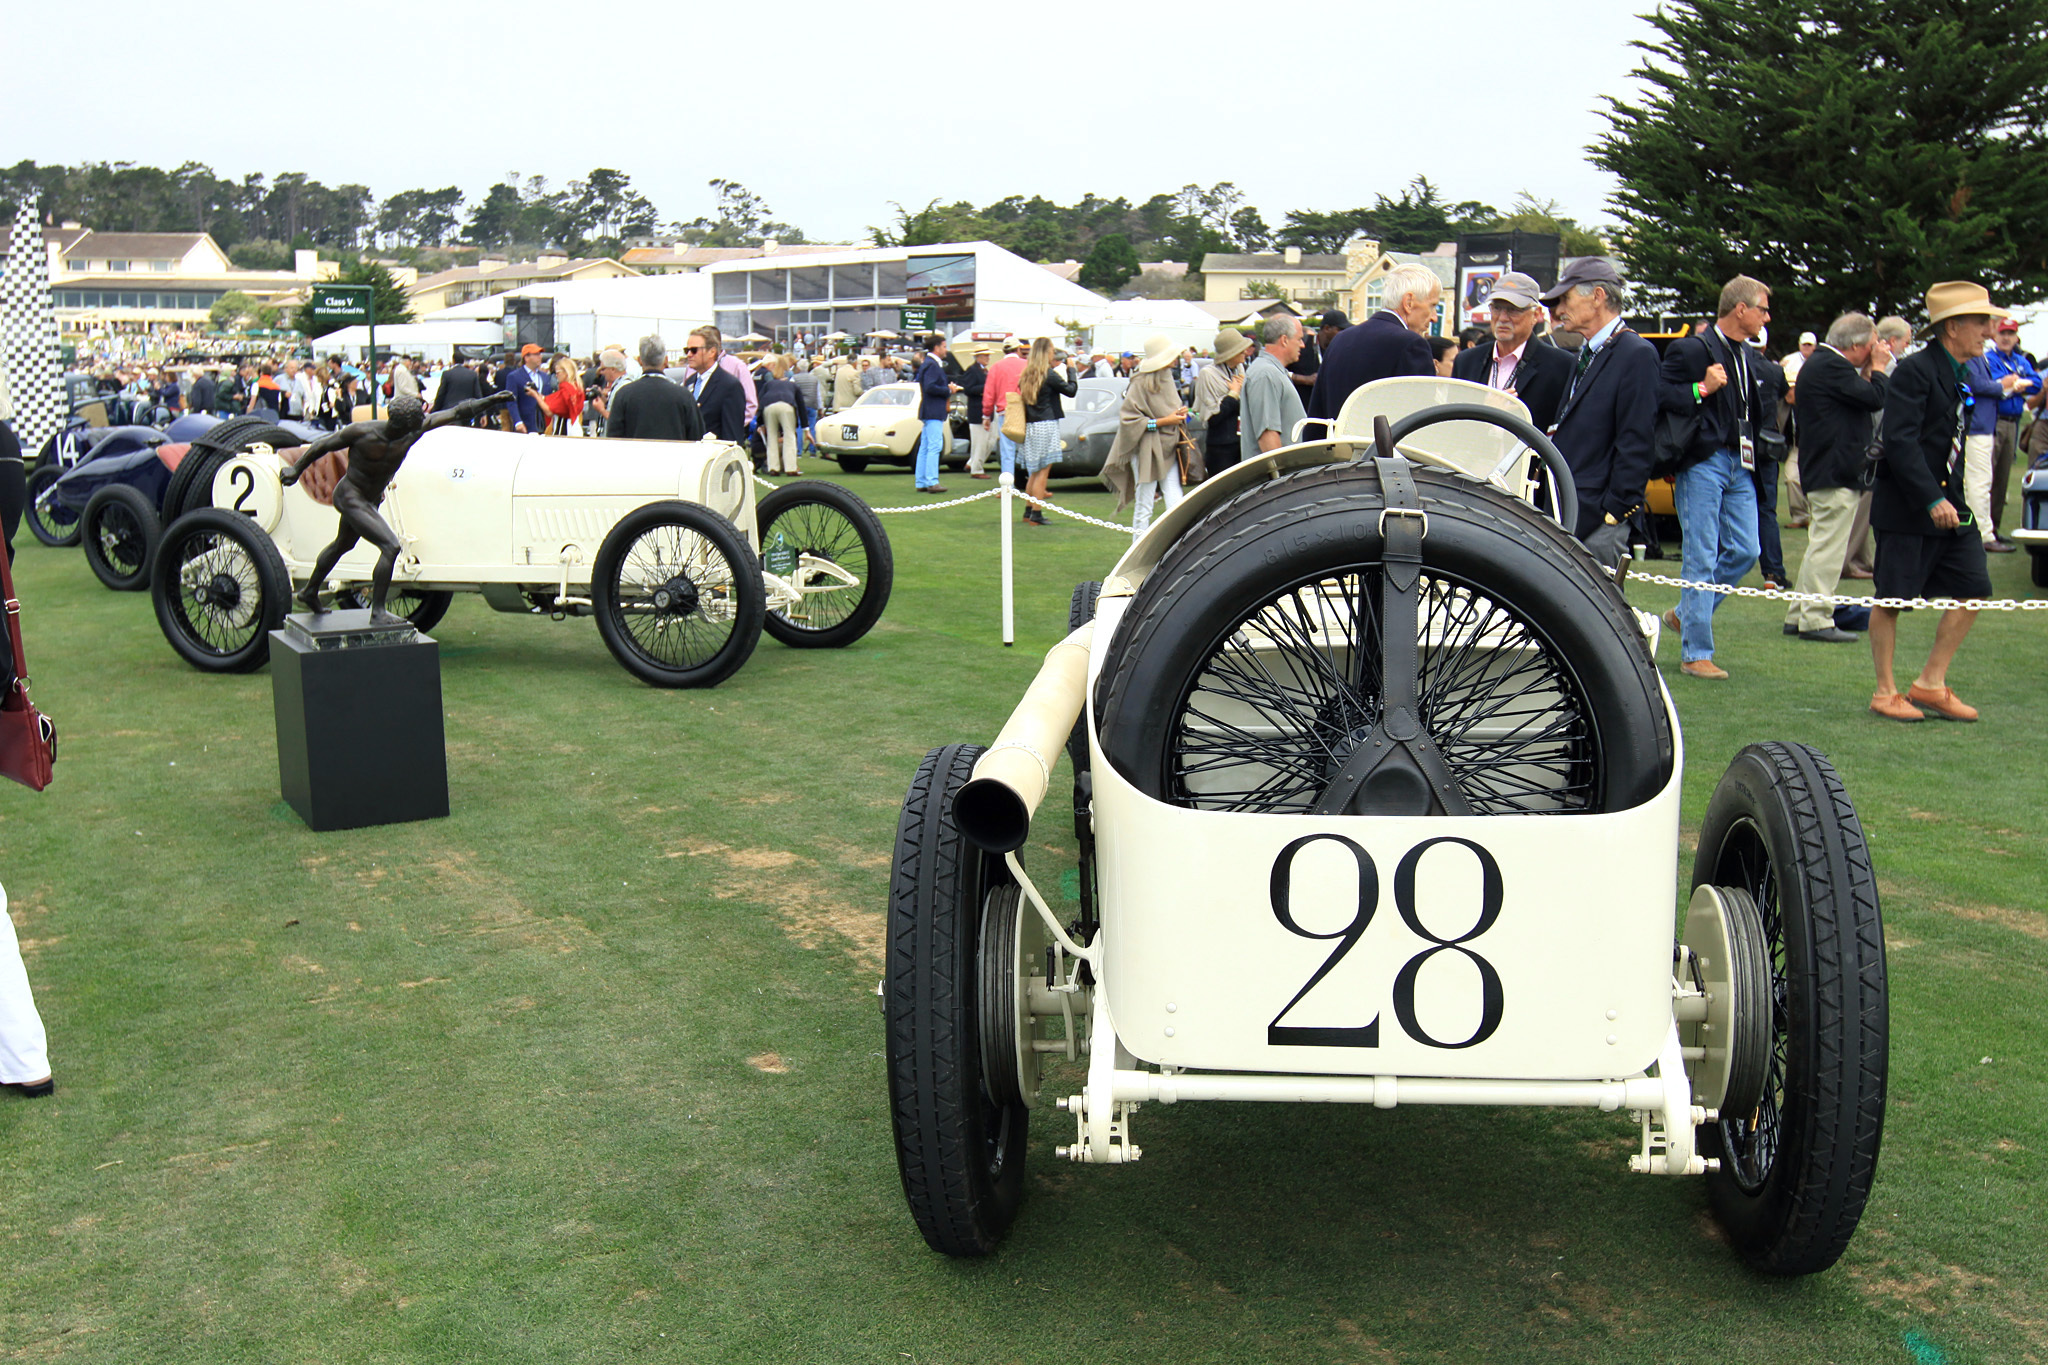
pixel 677 595
pixel 219 587
pixel 828 546
pixel 1798 1160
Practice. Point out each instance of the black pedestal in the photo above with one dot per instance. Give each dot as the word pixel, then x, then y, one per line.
pixel 359 737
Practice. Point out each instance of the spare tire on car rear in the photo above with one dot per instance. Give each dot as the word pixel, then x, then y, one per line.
pixel 1246 671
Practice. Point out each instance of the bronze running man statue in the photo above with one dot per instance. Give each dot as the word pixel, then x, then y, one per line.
pixel 375 451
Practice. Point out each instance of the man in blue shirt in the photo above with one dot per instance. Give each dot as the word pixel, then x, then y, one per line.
pixel 523 381
pixel 2006 359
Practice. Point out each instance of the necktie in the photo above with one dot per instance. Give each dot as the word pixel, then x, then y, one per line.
pixel 697 386
pixel 1585 359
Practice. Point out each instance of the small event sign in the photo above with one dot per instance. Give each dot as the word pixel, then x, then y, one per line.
pixel 916 319
pixel 344 305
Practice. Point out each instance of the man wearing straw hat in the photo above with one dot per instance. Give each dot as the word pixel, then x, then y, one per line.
pixel 1927 544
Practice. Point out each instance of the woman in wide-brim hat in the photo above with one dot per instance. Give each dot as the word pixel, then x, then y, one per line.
pixel 1142 460
pixel 1218 390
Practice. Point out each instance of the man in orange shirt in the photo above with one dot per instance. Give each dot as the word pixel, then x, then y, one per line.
pixel 995 398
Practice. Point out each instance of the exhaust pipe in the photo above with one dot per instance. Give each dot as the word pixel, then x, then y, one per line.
pixel 994 809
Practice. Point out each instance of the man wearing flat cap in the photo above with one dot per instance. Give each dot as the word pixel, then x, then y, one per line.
pixel 1605 419
pixel 1927 545
pixel 1516 360
pixel 1718 377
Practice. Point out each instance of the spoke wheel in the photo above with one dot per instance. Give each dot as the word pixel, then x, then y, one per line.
pixel 120 531
pixel 422 607
pixel 1797 1164
pixel 960 1123
pixel 1247 672
pixel 49 520
pixel 825 522
pixel 678 595
pixel 219 587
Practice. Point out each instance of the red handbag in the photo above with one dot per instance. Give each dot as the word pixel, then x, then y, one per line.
pixel 28 738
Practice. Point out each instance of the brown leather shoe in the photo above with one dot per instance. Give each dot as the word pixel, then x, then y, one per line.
pixel 1944 703
pixel 1702 668
pixel 1892 706
pixel 1862 575
pixel 1671 620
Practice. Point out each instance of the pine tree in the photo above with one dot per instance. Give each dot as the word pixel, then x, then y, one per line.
pixel 1848 155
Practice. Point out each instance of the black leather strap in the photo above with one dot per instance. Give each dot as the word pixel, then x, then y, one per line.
pixel 1397 769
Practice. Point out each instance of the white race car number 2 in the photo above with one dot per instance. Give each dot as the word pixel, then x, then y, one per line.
pixel 1492 1003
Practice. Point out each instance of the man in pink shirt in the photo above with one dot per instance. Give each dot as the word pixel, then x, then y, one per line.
pixel 995 397
pixel 737 368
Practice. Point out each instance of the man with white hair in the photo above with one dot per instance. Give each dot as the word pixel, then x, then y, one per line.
pixel 1269 406
pixel 1392 342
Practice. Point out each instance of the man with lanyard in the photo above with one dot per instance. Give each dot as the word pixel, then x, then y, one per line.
pixel 1926 544
pixel 2004 359
pixel 1515 359
pixel 1713 375
pixel 1608 409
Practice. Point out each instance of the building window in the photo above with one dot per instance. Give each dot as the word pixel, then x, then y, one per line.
pixel 163 267
pixel 732 324
pixel 117 265
pixel 853 282
pixel 891 277
pixel 811 282
pixel 729 287
pixel 771 286
pixel 129 301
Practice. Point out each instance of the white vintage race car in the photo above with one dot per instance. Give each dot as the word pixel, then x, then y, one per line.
pixel 661 541
pixel 1377 799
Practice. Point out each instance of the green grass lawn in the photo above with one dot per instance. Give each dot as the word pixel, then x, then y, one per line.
pixel 592 1069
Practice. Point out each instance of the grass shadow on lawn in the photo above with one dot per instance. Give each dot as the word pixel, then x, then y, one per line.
pixel 592 1068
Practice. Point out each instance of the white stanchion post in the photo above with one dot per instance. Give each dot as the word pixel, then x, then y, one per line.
pixel 1006 484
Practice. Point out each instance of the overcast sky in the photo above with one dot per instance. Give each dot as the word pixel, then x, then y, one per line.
pixel 830 111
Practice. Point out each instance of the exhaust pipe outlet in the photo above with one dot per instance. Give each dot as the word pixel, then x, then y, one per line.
pixel 994 809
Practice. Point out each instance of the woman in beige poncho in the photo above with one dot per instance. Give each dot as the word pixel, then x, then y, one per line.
pixel 1152 418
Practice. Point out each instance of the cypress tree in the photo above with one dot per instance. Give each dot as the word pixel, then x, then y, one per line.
pixel 1848 155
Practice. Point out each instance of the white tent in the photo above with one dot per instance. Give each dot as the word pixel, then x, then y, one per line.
pixel 1128 323
pixel 427 340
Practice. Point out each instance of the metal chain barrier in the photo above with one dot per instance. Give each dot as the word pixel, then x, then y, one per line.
pixel 1842 600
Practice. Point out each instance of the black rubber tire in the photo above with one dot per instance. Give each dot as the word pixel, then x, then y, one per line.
pixel 191 486
pixel 851 464
pixel 960 1153
pixel 1796 1174
pixel 120 531
pixel 231 636
pixel 1080 611
pixel 836 523
pixel 1283 535
pixel 2037 565
pixel 736 574
pixel 423 609
pixel 55 526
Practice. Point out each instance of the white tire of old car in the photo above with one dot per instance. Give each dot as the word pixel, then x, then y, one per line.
pixel 678 595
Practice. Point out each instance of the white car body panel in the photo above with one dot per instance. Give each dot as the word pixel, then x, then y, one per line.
pixel 476 506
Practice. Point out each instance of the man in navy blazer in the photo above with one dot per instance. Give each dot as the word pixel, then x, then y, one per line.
pixel 721 402
pixel 1516 359
pixel 1393 341
pixel 934 390
pixel 1609 411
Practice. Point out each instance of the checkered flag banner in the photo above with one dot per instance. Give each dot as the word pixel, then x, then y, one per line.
pixel 28 334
